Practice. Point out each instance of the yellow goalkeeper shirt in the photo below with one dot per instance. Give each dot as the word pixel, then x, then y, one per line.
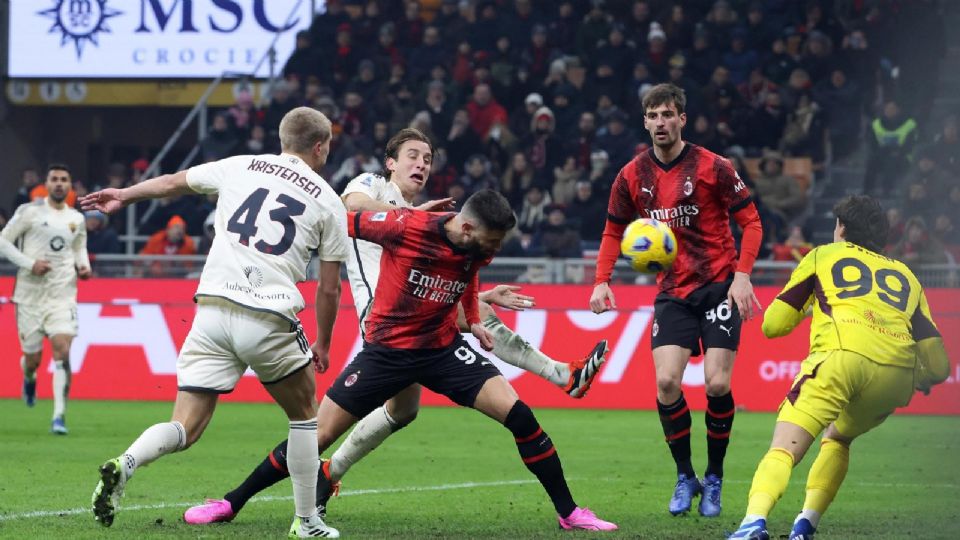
pixel 862 302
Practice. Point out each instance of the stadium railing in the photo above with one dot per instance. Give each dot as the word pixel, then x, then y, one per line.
pixel 501 270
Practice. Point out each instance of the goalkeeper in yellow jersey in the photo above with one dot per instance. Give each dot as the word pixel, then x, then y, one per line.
pixel 872 343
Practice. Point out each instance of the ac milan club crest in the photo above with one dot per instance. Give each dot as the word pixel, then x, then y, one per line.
pixel 687 187
pixel 656 328
pixel 351 379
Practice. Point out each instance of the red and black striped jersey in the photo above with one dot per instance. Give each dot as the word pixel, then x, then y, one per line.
pixel 695 195
pixel 423 276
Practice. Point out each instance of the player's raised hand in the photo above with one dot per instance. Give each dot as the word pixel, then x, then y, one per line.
pixel 84 272
pixel 506 296
pixel 321 357
pixel 483 336
pixel 40 267
pixel 602 299
pixel 107 201
pixel 437 205
pixel 741 294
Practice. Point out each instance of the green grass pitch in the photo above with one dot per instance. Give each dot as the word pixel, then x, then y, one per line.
pixel 456 474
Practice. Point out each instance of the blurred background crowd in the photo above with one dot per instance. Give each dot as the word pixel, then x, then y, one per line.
pixel 540 100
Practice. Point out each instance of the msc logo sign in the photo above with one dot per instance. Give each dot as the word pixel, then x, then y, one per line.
pixel 79 20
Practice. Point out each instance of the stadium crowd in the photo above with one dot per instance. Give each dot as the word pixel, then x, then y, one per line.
pixel 541 101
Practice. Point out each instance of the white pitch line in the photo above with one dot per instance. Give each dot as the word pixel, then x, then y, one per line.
pixel 268 498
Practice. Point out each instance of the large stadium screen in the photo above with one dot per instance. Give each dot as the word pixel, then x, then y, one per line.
pixel 149 38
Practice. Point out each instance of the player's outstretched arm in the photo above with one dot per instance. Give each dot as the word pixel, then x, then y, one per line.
pixel 506 296
pixel 110 200
pixel 790 306
pixel 933 365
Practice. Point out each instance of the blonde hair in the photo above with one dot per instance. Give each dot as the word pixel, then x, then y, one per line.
pixel 302 128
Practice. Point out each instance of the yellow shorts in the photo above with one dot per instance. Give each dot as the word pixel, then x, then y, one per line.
pixel 846 388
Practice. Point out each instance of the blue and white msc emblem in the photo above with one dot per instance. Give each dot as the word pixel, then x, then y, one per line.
pixel 79 20
pixel 379 216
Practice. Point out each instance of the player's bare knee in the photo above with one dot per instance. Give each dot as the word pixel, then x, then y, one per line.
pixel 668 385
pixel 32 360
pixel 717 387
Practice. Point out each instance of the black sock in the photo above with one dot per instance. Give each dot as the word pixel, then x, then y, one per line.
pixel 271 470
pixel 719 420
pixel 539 455
pixel 676 421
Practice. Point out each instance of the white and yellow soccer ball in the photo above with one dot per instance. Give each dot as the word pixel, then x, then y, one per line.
pixel 650 245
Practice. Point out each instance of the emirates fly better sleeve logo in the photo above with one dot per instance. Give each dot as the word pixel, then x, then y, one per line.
pixel 79 20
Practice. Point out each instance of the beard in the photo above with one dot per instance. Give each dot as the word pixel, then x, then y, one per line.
pixel 57 197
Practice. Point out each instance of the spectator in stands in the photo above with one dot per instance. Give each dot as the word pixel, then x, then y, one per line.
pixel 462 140
pixel 739 59
pixel 803 134
pixel 679 28
pixel 780 193
pixel 366 83
pixel 601 171
pixel 484 111
pixel 556 237
pixel 521 118
pixel 618 142
pixel 478 176
pixel 840 99
pixel 517 179
pixel 677 75
pixel 173 240
pixel 817 59
pixel 243 114
pixel 890 142
pixel 925 171
pixel 362 161
pixel 721 21
pixel 483 33
pixel 919 201
pixel 256 143
pixel 401 106
pixel 566 111
pixel 430 53
pixel 220 141
pixel 565 179
pixel 918 246
pixel 794 247
pixel 208 233
pixel 703 58
pixel 777 65
pixel 442 174
pixel 895 218
pixel 385 53
pixel 594 27
pixel 538 54
pixel 765 125
pixel 345 56
pixel 304 62
pixel 281 102
pixel 29 179
pixel 617 52
pixel 656 55
pixel 581 143
pixel 588 213
pixel 946 232
pixel 355 117
pixel 562 28
pixel 533 211
pixel 543 148
pixel 100 237
pixel 704 133
pixel 946 147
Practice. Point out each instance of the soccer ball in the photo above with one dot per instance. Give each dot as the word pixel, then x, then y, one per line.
pixel 650 245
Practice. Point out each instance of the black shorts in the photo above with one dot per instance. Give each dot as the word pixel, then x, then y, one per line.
pixel 378 373
pixel 703 318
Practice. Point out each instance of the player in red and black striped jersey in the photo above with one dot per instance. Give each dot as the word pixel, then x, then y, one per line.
pixel 429 265
pixel 704 295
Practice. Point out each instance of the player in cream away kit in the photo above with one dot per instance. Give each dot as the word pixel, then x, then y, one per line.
pixel 52 256
pixel 272 211
pixel 408 159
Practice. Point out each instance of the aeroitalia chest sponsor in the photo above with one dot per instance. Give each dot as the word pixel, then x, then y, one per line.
pixel 131 332
pixel 148 38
